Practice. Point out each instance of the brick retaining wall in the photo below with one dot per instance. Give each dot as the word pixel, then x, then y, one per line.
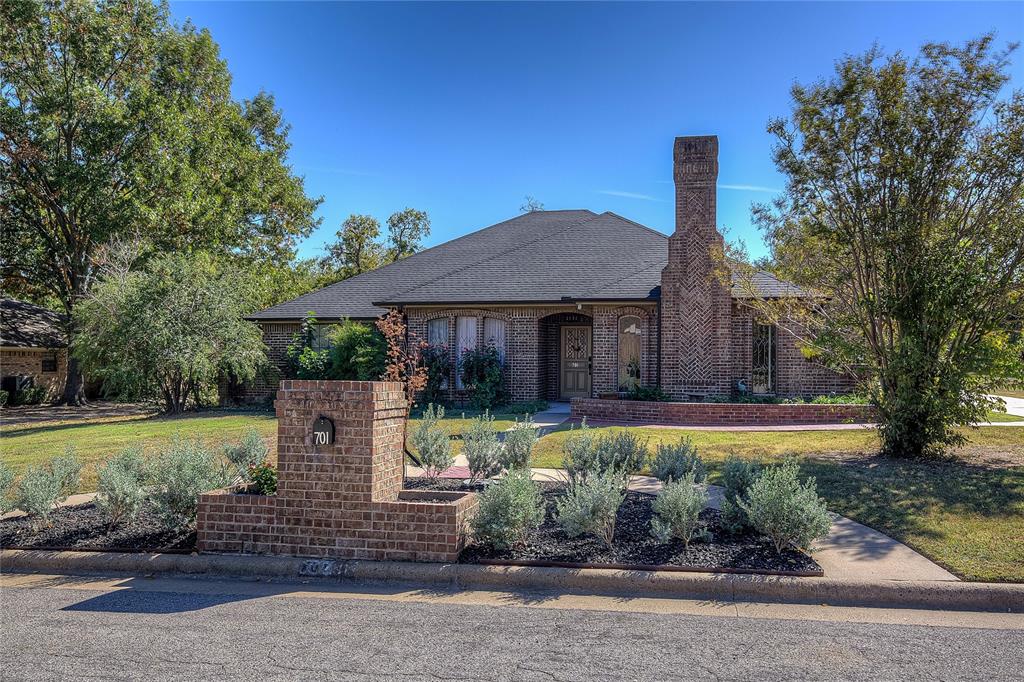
pixel 718 414
pixel 342 500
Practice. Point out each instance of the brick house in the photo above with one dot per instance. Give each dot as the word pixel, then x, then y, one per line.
pixel 33 348
pixel 582 304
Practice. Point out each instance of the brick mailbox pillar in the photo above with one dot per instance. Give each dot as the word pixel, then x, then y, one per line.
pixel 340 460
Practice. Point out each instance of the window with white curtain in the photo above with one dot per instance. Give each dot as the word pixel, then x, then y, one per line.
pixel 465 339
pixel 437 332
pixel 494 335
pixel 630 351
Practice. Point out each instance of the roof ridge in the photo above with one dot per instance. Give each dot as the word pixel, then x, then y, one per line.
pixel 521 245
pixel 423 251
pixel 633 222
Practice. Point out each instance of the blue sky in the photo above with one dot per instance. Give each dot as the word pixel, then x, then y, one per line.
pixel 463 109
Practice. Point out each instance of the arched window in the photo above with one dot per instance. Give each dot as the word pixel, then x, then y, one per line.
pixel 631 336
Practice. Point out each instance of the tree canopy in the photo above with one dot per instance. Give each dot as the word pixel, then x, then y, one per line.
pixel 359 249
pixel 903 216
pixel 114 122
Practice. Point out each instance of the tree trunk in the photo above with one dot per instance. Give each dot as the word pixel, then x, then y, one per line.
pixel 74 385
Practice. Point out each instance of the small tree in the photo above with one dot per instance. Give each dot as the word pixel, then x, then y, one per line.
pixel 903 219
pixel 404 360
pixel 168 331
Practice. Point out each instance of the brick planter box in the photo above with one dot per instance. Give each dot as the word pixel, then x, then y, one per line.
pixel 341 500
pixel 718 414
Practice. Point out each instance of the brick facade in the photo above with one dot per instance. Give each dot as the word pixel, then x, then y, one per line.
pixel 717 414
pixel 30 362
pixel 343 500
pixel 698 343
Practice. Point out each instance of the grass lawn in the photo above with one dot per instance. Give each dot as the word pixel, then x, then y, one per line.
pixel 1010 393
pixel 96 441
pixel 1004 417
pixel 966 513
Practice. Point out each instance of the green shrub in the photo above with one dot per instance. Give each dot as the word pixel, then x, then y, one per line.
pixel 180 473
pixel 591 507
pixel 304 362
pixel 738 474
pixel 526 407
pixel 264 478
pixel 480 369
pixel 786 510
pixel 433 446
pixel 616 455
pixel 649 393
pixel 508 509
pixel 358 352
pixel 6 489
pixel 32 395
pixel 481 447
pixel 439 369
pixel 517 448
pixel 44 486
pixel 674 461
pixel 4 396
pixel 120 486
pixel 677 509
pixel 247 453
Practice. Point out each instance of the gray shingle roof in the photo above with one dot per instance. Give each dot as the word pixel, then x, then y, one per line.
pixel 24 325
pixel 544 256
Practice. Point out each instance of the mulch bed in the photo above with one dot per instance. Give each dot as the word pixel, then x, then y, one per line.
pixel 634 547
pixel 82 527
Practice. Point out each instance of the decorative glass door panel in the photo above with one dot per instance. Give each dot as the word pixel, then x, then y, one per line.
pixel 575 362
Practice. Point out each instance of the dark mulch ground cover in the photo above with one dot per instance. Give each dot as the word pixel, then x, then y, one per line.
pixel 83 527
pixel 633 544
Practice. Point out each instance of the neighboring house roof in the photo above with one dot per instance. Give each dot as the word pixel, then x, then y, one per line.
pixel 24 325
pixel 538 257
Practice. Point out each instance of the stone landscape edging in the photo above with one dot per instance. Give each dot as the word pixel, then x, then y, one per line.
pixel 920 594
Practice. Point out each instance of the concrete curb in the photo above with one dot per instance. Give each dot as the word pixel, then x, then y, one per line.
pixel 918 594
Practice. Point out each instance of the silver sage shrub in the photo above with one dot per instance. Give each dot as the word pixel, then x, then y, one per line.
pixel 44 486
pixel 517 448
pixel 508 509
pixel 677 510
pixel 591 507
pixel 481 447
pixel 786 510
pixel 673 461
pixel 179 474
pixel 121 490
pixel 433 446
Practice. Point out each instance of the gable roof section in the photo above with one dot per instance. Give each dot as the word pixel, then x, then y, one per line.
pixel 539 257
pixel 24 325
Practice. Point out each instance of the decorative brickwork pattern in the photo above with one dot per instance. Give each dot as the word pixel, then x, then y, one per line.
pixel 342 500
pixel 717 414
pixel 695 351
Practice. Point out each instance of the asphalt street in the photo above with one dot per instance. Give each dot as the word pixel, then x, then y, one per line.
pixel 67 628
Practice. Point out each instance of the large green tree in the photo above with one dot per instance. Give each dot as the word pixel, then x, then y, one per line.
pixel 114 122
pixel 406 230
pixel 169 330
pixel 358 247
pixel 903 214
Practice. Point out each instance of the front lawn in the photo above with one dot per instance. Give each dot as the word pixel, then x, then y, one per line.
pixel 96 441
pixel 966 513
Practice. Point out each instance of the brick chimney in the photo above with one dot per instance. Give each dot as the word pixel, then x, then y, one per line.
pixel 695 306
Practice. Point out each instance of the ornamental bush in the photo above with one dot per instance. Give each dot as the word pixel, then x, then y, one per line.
pixel 6 489
pixel 616 455
pixel 677 509
pixel 247 453
pixel 508 510
pixel 439 368
pixel 674 461
pixel 591 506
pixel 482 448
pixel 264 478
pixel 480 369
pixel 517 448
pixel 120 486
pixel 433 446
pixel 180 473
pixel 786 510
pixel 738 474
pixel 358 352
pixel 44 486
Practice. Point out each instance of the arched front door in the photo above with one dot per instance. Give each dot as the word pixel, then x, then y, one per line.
pixel 575 363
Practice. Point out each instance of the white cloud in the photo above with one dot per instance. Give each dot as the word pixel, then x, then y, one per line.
pixel 751 188
pixel 628 195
